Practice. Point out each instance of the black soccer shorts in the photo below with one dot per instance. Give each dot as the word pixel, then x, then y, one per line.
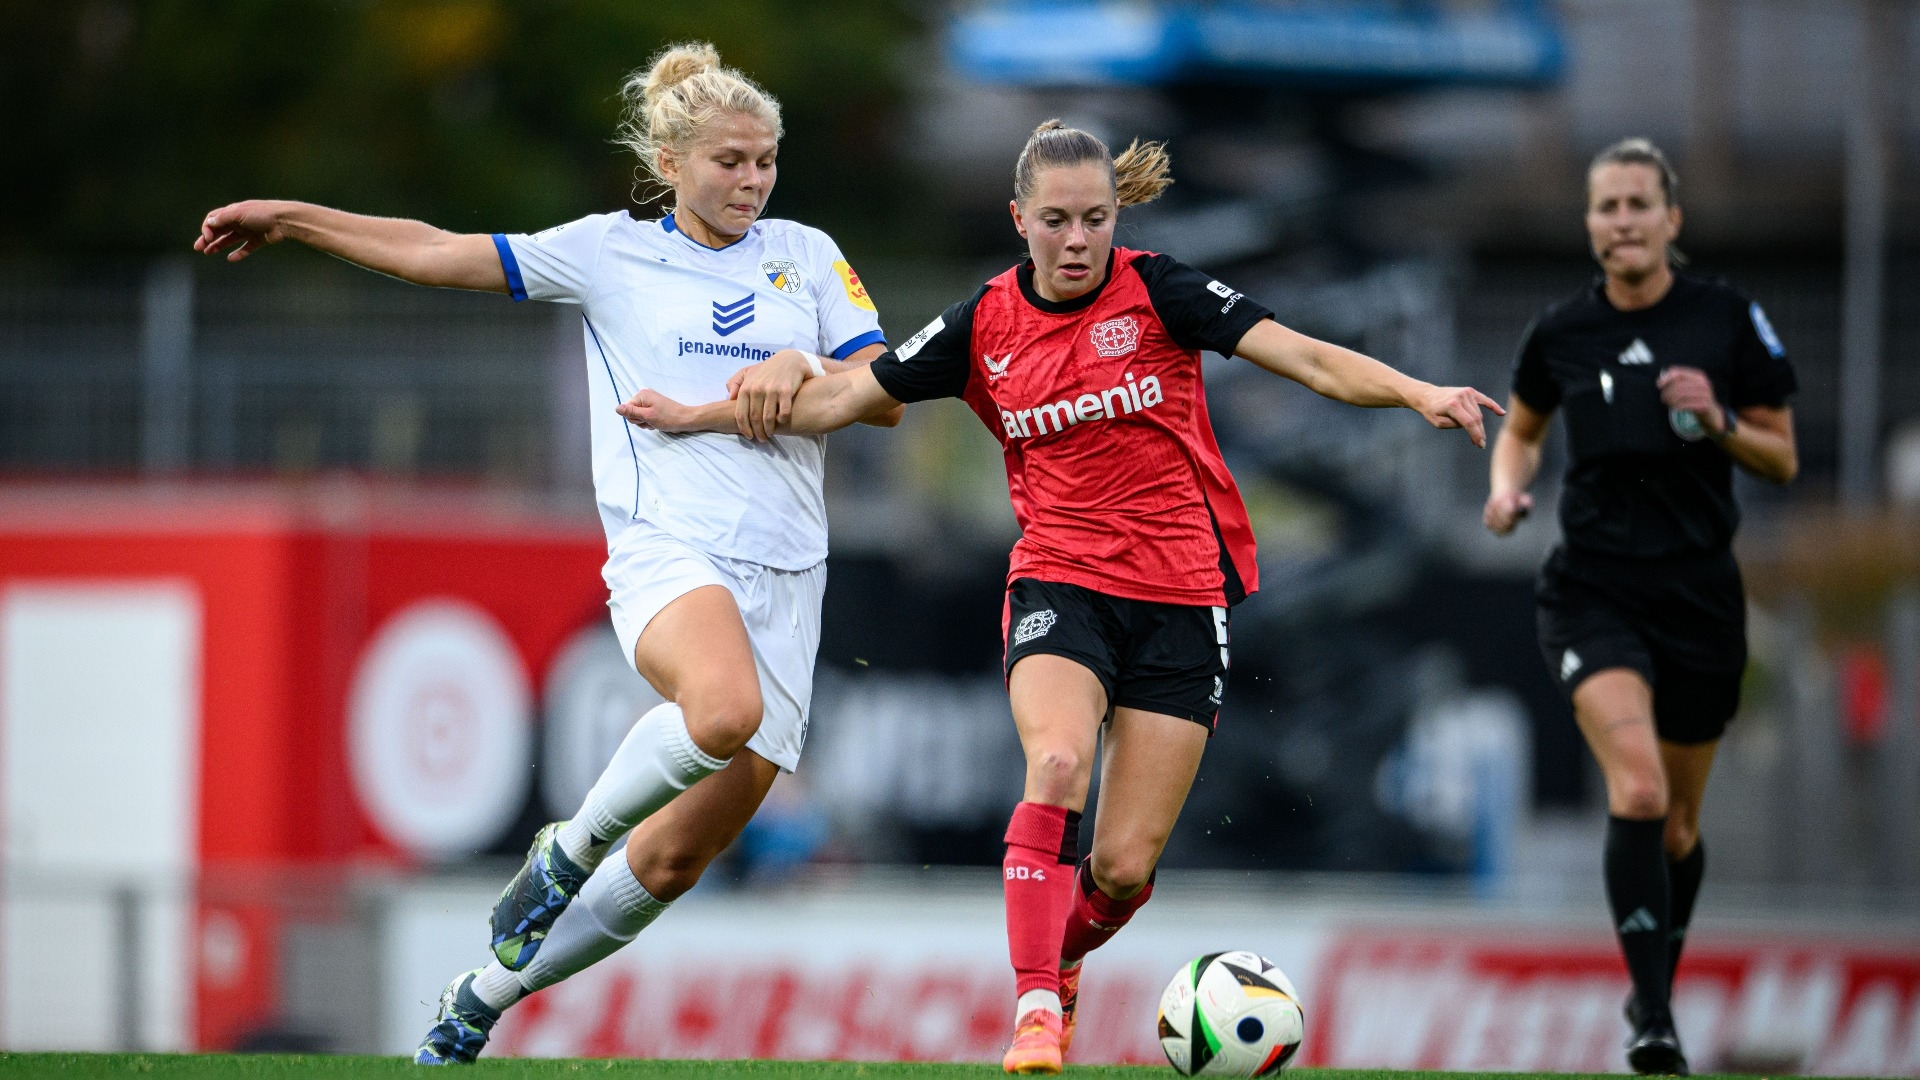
pixel 1680 623
pixel 1163 658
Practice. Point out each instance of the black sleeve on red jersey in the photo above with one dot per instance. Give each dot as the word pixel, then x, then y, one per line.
pixel 1761 373
pixel 1198 312
pixel 1532 382
pixel 934 362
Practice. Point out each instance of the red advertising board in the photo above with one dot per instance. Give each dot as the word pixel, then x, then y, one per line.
pixel 1468 1002
pixel 298 592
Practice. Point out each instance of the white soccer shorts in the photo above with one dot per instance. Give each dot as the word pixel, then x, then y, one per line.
pixel 649 569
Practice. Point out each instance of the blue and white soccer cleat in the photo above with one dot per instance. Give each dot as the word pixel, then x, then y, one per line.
pixel 534 899
pixel 462 1030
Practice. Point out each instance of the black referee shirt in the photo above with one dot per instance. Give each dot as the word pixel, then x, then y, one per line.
pixel 1645 482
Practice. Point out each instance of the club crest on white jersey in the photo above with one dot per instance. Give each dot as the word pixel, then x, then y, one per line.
pixel 783 274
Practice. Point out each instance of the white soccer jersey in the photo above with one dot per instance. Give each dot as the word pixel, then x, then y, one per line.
pixel 664 312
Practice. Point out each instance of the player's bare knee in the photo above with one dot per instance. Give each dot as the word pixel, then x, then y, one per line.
pixel 1683 831
pixel 1639 796
pixel 668 872
pixel 1122 874
pixel 722 724
pixel 1054 770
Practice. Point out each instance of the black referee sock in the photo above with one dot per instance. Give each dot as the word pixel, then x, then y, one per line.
pixel 1683 880
pixel 1637 889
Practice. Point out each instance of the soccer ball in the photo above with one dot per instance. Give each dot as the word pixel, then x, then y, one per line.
pixel 1230 1014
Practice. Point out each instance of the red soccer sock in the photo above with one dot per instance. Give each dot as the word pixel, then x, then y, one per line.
pixel 1095 917
pixel 1042 846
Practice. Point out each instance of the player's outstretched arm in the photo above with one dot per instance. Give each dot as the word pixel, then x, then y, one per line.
pixel 409 250
pixel 823 404
pixel 1345 375
pixel 1516 461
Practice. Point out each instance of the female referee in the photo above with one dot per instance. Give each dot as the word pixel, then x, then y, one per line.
pixel 1085 363
pixel 716 545
pixel 1668 380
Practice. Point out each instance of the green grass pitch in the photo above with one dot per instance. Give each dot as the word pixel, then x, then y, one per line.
pixel 319 1067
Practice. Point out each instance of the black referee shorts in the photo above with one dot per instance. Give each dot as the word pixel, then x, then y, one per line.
pixel 1163 658
pixel 1682 624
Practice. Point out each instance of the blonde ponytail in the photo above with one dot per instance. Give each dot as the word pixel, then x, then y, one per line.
pixel 1141 173
pixel 670 102
pixel 1138 175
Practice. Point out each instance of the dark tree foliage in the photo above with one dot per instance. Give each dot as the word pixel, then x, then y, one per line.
pixel 129 120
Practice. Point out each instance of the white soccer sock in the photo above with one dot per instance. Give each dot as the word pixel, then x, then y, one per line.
pixel 611 910
pixel 656 761
pixel 1029 1001
pixel 577 840
pixel 498 987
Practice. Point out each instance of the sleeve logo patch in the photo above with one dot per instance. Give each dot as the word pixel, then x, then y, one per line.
pixel 1764 328
pixel 1226 293
pixel 1115 337
pixel 913 344
pixel 783 273
pixel 850 281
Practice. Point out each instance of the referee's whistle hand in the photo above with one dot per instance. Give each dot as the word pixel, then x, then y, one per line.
pixel 1459 407
pixel 1505 510
pixel 1689 390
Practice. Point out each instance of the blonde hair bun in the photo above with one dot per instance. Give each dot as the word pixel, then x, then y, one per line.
pixel 676 64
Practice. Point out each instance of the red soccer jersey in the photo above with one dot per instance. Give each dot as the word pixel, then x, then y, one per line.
pixel 1115 477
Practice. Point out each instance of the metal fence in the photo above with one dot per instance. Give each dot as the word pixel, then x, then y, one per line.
pixel 172 367
pixel 304 365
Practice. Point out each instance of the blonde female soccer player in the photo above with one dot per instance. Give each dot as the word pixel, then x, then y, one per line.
pixel 1085 363
pixel 715 543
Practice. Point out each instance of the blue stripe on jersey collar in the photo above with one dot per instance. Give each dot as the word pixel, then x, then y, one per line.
pixel 667 224
pixel 871 337
pixel 516 287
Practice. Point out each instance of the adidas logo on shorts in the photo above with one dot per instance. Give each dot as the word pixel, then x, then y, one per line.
pixel 1569 663
pixel 1035 624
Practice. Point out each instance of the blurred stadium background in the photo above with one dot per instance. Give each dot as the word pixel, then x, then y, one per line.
pixel 281 544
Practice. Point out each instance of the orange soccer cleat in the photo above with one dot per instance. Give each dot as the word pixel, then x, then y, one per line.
pixel 1069 998
pixel 1036 1044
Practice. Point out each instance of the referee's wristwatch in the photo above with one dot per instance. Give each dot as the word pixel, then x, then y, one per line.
pixel 1729 425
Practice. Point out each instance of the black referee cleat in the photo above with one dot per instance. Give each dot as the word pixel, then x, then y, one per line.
pixel 1654 1050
